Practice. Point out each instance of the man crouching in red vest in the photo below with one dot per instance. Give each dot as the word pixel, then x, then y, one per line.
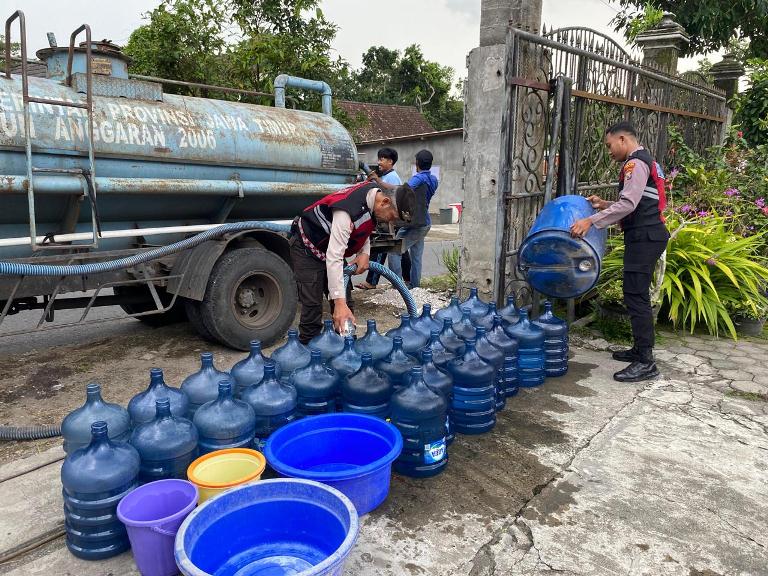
pixel 332 229
pixel 639 213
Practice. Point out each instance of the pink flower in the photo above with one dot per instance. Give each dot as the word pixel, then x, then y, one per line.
pixel 764 210
pixel 740 134
pixel 760 202
pixel 673 174
pixel 711 262
pixel 732 192
pixel 702 213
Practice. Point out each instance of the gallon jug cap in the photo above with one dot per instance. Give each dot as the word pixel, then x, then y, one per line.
pixel 255 345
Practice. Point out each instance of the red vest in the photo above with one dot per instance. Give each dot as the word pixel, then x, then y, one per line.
pixel 315 220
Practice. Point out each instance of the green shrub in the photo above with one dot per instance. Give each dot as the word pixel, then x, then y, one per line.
pixel 752 104
pixel 450 259
pixel 710 273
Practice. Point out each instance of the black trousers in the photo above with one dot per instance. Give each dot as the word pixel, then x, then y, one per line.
pixel 642 249
pixel 312 287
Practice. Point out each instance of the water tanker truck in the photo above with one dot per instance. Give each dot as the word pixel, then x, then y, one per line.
pixel 98 166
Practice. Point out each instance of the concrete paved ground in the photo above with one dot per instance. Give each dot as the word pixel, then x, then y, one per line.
pixel 582 476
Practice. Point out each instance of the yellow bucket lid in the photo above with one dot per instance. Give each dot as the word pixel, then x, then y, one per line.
pixel 226 468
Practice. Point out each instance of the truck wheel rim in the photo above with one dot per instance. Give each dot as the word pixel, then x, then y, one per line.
pixel 256 300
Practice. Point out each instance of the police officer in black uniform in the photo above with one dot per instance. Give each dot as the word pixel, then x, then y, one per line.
pixel 639 213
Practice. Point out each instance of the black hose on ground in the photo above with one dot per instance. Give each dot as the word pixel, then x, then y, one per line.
pixel 29 432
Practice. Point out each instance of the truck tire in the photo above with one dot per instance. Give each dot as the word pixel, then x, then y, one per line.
pixel 192 308
pixel 174 315
pixel 251 295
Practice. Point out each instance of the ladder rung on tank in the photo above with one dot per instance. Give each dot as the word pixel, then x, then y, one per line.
pixel 88 175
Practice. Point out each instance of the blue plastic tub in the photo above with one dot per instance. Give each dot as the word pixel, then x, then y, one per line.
pixel 269 528
pixel 351 452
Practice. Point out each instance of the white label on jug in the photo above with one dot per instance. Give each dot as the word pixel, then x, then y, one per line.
pixel 434 452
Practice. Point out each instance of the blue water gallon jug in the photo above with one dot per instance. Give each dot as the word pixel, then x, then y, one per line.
pixel 499 338
pixel 530 340
pixel 474 393
pixel 477 307
pixel 487 320
pixel 291 356
pixel 555 341
pixel 509 313
pixel 143 407
pixel 452 311
pixel 250 370
pixel 555 263
pixel 508 346
pixel 274 404
pixel 317 386
pixel 439 380
pixel 225 422
pixel 95 479
pixel 397 364
pixel 328 342
pixel 367 391
pixel 203 385
pixel 420 414
pixel 348 362
pixel 413 341
pixel 495 357
pixel 509 374
pixel 426 323
pixel 464 328
pixel 450 340
pixel 167 445
pixel 440 354
pixel 377 345
pixel 76 427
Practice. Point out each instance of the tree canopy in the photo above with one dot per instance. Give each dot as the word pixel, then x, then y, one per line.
pixel 712 24
pixel 245 44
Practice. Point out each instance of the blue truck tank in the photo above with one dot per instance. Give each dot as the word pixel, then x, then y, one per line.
pixel 161 159
pixel 556 264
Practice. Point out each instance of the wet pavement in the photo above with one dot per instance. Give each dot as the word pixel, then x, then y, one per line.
pixel 581 476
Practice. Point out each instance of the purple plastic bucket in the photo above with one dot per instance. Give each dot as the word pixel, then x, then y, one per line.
pixel 152 514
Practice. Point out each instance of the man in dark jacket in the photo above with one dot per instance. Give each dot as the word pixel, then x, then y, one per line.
pixel 424 185
pixel 639 213
pixel 336 227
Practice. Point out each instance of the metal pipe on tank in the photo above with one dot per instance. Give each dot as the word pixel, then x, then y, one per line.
pixel 128 233
pixel 161 186
pixel 284 81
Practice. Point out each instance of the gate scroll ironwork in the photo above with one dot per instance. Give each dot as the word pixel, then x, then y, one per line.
pixel 563 89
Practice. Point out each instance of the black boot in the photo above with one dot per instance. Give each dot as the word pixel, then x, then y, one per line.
pixel 626 355
pixel 642 368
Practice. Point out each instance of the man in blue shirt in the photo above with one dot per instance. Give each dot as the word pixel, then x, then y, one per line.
pixel 424 184
pixel 385 177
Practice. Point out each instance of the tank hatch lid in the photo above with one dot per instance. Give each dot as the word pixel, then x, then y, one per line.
pixel 107 59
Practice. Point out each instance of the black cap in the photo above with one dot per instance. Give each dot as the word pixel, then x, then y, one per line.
pixel 405 199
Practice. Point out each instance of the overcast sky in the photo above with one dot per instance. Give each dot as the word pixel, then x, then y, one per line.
pixel 446 29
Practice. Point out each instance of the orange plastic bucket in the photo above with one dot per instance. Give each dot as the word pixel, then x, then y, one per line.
pixel 218 471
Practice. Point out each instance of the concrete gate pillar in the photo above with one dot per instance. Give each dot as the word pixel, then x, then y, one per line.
pixel 663 44
pixel 484 100
pixel 726 74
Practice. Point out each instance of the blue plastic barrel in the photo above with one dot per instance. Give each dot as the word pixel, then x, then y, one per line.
pixel 553 262
pixel 350 452
pixel 271 527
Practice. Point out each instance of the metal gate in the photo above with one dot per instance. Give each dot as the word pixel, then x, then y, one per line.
pixel 564 88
